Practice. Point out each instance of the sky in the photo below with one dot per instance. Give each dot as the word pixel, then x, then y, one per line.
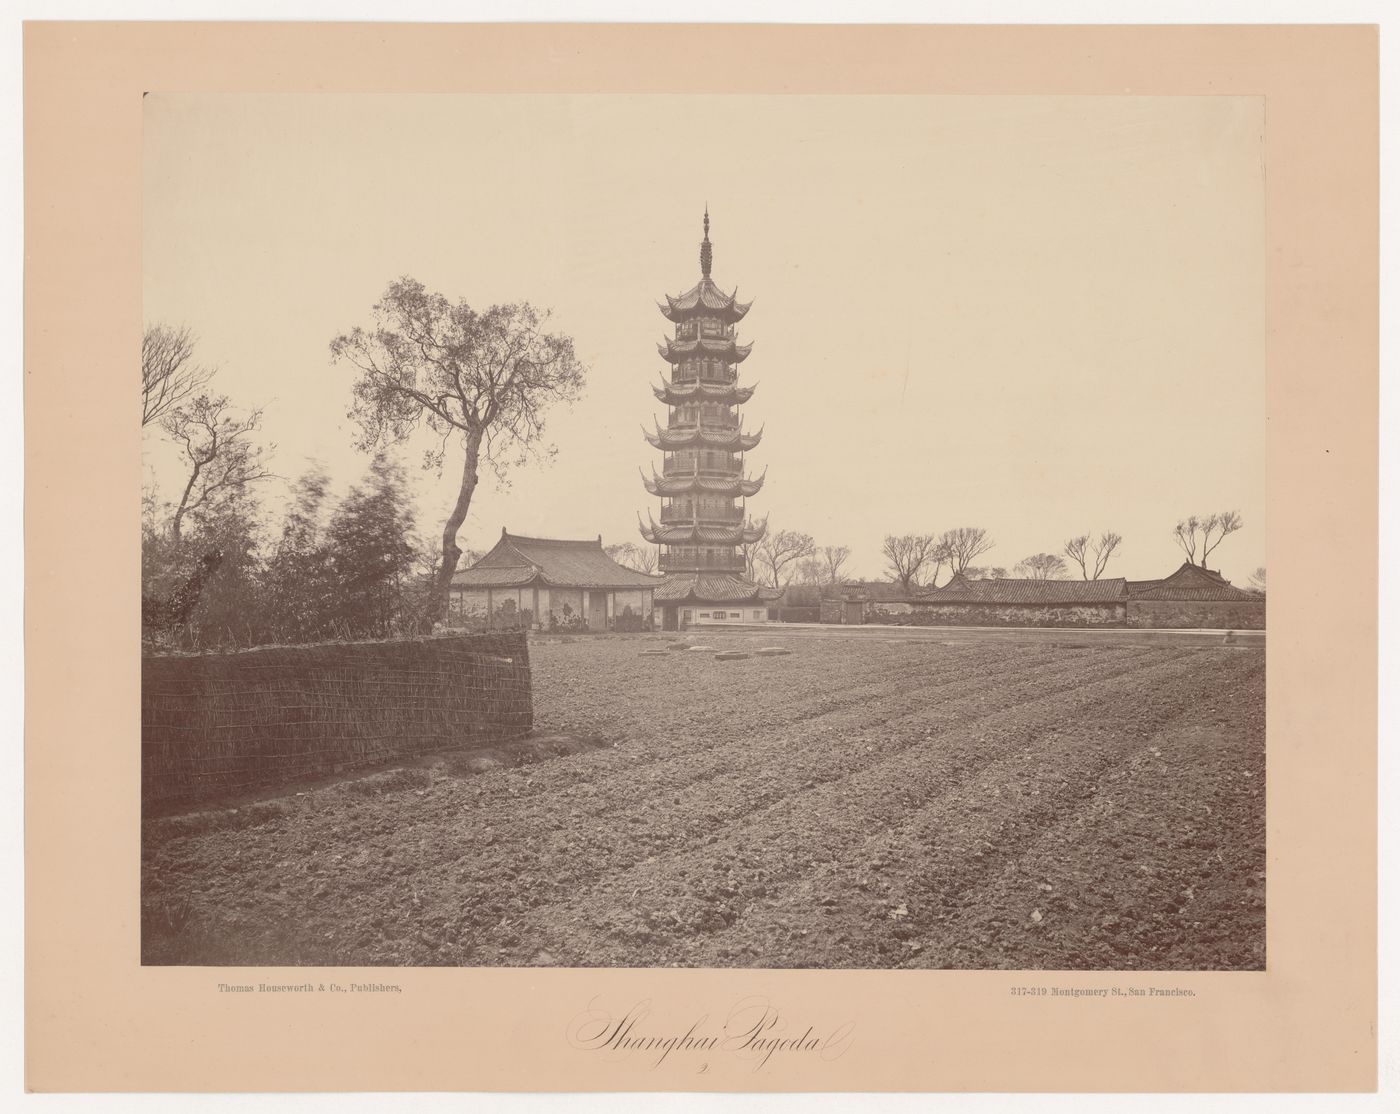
pixel 1043 316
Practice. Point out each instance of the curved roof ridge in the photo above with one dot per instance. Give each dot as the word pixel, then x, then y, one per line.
pixel 593 543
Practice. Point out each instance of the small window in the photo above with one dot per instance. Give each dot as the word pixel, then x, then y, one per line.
pixel 758 614
pixel 736 614
pixel 704 614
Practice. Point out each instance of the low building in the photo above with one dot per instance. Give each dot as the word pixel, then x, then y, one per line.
pixel 697 599
pixel 551 584
pixel 1196 598
pixel 1005 602
pixel 865 601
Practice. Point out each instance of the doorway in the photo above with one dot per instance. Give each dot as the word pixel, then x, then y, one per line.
pixel 597 611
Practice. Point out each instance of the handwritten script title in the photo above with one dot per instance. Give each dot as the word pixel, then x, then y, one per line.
pixel 754 1029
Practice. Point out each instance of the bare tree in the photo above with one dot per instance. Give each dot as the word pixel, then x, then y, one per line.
pixel 779 549
pixel 220 454
pixel 749 552
pixel 1257 580
pixel 908 554
pixel 1077 550
pixel 833 558
pixel 1092 553
pixel 1041 566
pixel 1201 535
pixel 965 544
pixel 481 381
pixel 1184 534
pixel 811 570
pixel 1223 524
pixel 639 557
pixel 169 374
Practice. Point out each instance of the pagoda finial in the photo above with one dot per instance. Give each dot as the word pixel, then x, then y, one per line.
pixel 706 252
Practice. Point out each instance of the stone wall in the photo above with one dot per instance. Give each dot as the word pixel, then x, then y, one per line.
pixel 889 611
pixel 1207 614
pixel 1017 615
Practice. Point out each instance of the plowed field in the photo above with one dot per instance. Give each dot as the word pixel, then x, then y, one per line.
pixel 860 803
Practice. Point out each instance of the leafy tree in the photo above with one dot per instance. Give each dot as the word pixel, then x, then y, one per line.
pixel 482 381
pixel 300 581
pixel 201 590
pixel 200 567
pixel 1088 552
pixel 1041 566
pixel 219 452
pixel 371 551
pixel 231 610
pixel 169 374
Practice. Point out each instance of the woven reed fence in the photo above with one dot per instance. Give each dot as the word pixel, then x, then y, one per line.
pixel 223 722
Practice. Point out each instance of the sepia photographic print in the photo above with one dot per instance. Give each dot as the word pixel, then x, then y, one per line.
pixel 700 558
pixel 703 531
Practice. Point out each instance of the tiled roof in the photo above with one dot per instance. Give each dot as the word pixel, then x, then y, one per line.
pixel 679 484
pixel 725 348
pixel 705 295
pixel 733 438
pixel 497 576
pixel 1216 594
pixel 690 533
pixel 1190 583
pixel 708 588
pixel 557 563
pixel 701 388
pixel 1005 590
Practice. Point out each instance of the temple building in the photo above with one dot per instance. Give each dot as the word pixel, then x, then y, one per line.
pixel 550 584
pixel 702 484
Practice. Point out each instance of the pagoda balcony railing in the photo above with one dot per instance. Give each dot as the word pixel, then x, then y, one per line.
pixel 682 468
pixel 691 329
pixel 683 426
pixel 723 378
pixel 685 512
pixel 674 563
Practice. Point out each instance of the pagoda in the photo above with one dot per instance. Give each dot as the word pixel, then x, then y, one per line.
pixel 702 484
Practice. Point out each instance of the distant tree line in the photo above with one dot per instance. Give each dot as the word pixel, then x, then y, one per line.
pixel 788 559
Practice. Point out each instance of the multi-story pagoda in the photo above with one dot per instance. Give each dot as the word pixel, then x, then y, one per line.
pixel 702 484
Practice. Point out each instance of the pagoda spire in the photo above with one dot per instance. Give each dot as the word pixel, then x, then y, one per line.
pixel 706 252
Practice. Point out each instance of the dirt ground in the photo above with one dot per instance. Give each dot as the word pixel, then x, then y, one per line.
pixel 861 802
